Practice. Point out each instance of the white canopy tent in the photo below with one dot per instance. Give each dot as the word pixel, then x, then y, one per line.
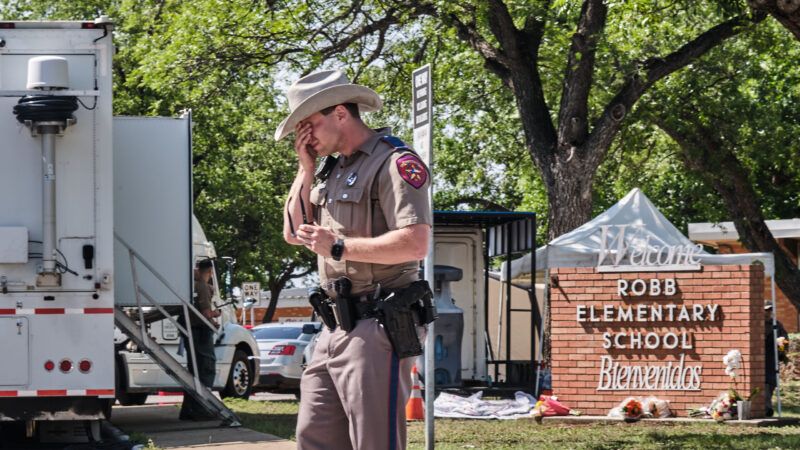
pixel 582 246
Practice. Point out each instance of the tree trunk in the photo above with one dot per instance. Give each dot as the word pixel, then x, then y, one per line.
pixel 274 293
pixel 787 12
pixel 707 155
pixel 569 195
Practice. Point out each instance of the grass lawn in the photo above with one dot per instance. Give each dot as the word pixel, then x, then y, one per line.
pixel 279 418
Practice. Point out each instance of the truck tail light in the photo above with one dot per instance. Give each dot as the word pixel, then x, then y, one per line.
pixel 65 366
pixel 283 350
pixel 49 365
pixel 85 366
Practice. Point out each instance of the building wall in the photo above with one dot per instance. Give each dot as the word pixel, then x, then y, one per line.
pixel 785 311
pixel 577 347
pixel 297 312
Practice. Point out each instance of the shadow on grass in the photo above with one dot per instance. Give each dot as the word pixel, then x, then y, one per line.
pixel 681 441
pixel 280 425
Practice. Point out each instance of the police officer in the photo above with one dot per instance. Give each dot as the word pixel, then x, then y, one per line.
pixel 369 220
pixel 769 360
pixel 203 341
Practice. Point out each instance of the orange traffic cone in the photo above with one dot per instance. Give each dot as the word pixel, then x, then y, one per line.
pixel 414 407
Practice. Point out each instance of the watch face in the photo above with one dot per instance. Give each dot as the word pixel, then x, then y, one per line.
pixel 337 250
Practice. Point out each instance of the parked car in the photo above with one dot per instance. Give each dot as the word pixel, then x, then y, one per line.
pixel 282 354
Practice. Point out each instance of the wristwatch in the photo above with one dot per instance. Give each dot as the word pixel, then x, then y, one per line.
pixel 337 250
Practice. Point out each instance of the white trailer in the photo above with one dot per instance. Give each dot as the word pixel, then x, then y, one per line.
pixel 87 229
pixel 56 221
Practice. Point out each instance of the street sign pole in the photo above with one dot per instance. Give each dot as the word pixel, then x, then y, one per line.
pixel 422 120
pixel 251 290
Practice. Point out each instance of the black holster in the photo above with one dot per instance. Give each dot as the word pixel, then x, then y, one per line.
pixel 323 307
pixel 400 313
pixel 343 308
pixel 421 299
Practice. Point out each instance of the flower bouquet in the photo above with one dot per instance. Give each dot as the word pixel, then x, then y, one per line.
pixel 632 411
pixel 723 407
pixel 730 404
pixel 783 347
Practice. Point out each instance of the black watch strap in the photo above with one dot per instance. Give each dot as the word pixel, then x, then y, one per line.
pixel 337 250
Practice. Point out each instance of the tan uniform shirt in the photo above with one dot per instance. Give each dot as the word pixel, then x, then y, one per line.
pixel 375 190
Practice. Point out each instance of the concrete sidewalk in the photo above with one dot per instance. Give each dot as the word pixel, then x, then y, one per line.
pixel 161 424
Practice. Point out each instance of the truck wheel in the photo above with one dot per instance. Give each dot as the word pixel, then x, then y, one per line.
pixel 129 399
pixel 108 407
pixel 126 398
pixel 240 379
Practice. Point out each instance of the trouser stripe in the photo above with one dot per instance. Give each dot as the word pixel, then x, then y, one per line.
pixel 394 380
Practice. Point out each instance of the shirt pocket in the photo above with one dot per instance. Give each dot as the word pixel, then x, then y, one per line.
pixel 351 212
pixel 318 197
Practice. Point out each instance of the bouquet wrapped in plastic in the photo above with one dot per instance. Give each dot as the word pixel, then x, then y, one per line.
pixel 724 406
pixel 549 406
pixel 656 407
pixel 635 408
pixel 632 409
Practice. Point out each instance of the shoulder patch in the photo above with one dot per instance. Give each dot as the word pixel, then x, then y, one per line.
pixel 394 141
pixel 411 170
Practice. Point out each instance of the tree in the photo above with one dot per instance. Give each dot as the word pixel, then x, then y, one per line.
pixel 736 126
pixel 566 145
pixel 608 53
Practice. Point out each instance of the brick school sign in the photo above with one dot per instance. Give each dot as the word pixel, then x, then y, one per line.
pixel 664 334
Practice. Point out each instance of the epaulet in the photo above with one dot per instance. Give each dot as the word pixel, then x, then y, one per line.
pixel 395 142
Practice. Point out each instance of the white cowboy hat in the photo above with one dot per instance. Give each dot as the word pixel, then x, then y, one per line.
pixel 319 90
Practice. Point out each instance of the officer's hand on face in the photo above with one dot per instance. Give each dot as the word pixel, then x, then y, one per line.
pixel 317 239
pixel 303 146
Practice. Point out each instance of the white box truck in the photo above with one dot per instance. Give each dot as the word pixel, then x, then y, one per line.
pixel 56 221
pixel 95 221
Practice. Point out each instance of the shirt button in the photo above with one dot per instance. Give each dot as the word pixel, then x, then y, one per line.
pixel 330 200
pixel 338 176
pixel 344 195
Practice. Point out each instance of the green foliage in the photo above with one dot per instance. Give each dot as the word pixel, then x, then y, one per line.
pixel 747 92
pixel 230 62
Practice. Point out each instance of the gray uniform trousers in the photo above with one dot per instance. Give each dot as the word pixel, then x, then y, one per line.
pixel 354 392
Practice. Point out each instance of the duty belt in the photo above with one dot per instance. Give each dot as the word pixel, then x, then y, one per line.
pixel 359 307
pixel 365 308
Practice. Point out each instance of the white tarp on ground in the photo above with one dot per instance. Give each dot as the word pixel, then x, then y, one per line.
pixel 581 247
pixel 473 407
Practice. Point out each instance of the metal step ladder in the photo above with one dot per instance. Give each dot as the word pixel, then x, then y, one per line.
pixel 137 331
pixel 176 370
